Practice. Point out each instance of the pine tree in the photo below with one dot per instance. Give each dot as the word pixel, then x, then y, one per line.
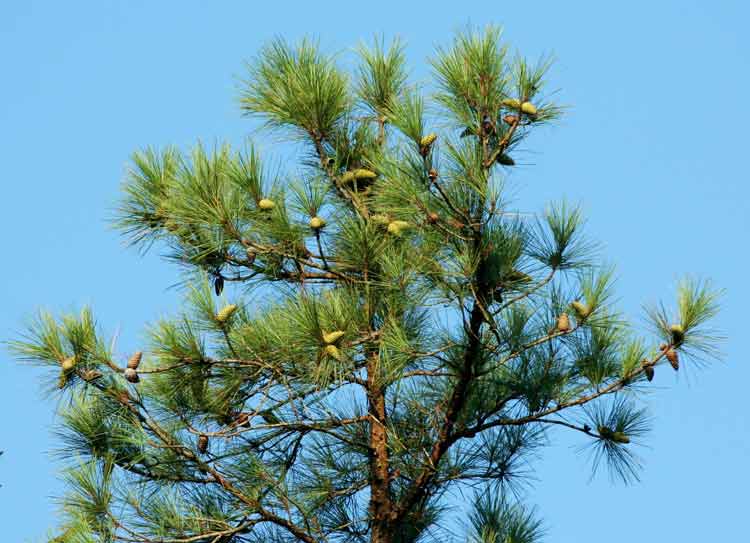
pixel 394 331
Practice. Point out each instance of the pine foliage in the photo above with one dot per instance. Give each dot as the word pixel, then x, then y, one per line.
pixel 397 334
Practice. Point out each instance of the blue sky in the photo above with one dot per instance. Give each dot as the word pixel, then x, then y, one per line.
pixel 654 147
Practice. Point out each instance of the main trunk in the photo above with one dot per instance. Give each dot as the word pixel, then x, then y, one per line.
pixel 380 494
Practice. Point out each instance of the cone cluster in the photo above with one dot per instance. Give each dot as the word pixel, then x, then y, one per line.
pixel 331 339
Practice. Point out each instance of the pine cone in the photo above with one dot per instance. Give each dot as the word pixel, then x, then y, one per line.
pixel 432 174
pixel 348 177
pixel 131 375
pixel 135 360
pixel 316 223
pixel 202 443
pixel 397 227
pixel 224 315
pixel 428 140
pixel 582 311
pixel 528 108
pixel 362 173
pixel 674 360
pixel 91 375
pixel 218 284
pixel 510 119
pixel 563 323
pixel 512 103
pixel 266 205
pixel 620 437
pixel 380 219
pixel 69 364
pixel 648 370
pixel 334 352
pixel 333 337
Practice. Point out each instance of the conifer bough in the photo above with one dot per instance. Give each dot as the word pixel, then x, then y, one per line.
pixel 452 379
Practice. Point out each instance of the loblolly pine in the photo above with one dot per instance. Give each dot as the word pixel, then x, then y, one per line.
pixel 370 375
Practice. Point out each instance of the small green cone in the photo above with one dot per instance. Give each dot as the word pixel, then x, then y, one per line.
pixel 333 337
pixel 563 323
pixel 512 103
pixel 362 173
pixel 528 108
pixel 397 227
pixel 334 352
pixel 581 310
pixel 266 205
pixel 224 315
pixel 428 140
pixel 69 364
pixel 316 223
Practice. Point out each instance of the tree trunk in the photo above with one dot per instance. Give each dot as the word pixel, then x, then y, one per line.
pixel 380 491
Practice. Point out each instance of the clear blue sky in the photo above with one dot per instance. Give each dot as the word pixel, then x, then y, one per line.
pixel 655 147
